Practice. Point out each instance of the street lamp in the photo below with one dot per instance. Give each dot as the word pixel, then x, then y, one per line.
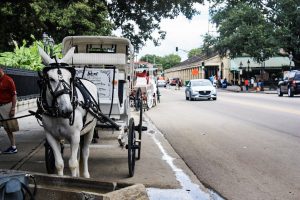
pixel 263 63
pixel 48 41
pixel 291 59
pixel 249 70
pixel 51 44
pixel 45 41
pixel 241 71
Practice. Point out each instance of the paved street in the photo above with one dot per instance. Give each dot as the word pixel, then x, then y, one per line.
pixel 244 145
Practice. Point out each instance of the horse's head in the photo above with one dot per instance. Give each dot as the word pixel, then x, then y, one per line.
pixel 59 89
pixel 57 84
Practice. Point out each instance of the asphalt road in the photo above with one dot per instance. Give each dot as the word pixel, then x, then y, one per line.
pixel 244 145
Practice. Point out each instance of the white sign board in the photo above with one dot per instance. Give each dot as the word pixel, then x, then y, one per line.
pixel 102 78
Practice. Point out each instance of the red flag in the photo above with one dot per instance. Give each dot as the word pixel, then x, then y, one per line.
pixel 195 72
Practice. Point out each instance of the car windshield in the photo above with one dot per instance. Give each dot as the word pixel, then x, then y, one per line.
pixel 200 83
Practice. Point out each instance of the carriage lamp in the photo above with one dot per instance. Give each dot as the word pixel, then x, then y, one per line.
pixel 291 59
pixel 45 41
pixel 51 44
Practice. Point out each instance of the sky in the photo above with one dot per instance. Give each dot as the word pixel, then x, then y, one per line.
pixel 182 33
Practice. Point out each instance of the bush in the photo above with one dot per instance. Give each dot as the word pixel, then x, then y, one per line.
pixel 26 57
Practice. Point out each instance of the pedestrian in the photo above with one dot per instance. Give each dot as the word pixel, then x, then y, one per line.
pixel 259 85
pixel 252 82
pixel 246 84
pixel 168 84
pixel 8 100
pixel 224 84
pixel 177 84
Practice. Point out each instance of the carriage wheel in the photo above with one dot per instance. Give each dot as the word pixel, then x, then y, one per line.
pixel 49 158
pixel 131 147
pixel 154 99
pixel 158 95
pixel 149 99
pixel 137 99
pixel 140 126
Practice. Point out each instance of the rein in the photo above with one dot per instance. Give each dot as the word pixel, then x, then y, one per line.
pixel 4 120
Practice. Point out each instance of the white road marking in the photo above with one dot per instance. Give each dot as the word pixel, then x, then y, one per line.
pixel 189 190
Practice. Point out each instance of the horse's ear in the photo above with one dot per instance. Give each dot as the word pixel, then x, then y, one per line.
pixel 68 55
pixel 45 57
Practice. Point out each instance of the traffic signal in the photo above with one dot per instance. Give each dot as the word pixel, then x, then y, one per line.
pixel 176 48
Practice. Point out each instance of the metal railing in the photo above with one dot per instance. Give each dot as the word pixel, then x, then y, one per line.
pixel 25 81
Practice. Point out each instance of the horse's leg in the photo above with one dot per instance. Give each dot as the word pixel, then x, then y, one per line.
pixel 74 145
pixel 85 151
pixel 55 145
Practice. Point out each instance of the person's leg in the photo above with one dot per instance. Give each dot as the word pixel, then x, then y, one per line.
pixel 4 112
pixel 11 137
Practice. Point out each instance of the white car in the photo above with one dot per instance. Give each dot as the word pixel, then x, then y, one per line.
pixel 200 89
pixel 161 83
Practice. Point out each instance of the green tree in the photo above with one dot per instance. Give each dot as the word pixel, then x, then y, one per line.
pixel 194 52
pixel 137 19
pixel 253 27
pixel 167 61
pixel 21 19
pixel 170 60
pixel 151 59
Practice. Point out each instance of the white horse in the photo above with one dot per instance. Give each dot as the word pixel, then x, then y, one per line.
pixel 63 115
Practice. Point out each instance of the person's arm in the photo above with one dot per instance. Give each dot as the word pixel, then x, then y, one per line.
pixel 13 107
pixel 14 99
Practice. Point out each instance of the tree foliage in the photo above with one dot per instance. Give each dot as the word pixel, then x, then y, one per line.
pixel 253 27
pixel 151 59
pixel 194 52
pixel 167 61
pixel 137 19
pixel 170 61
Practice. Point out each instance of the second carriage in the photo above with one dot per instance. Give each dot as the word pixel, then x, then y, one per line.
pixel 145 88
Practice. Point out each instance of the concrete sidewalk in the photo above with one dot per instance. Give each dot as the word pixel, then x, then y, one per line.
pixel 236 88
pixel 108 162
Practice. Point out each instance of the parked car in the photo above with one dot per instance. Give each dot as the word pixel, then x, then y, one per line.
pixel 200 89
pixel 161 83
pixel 290 84
pixel 173 81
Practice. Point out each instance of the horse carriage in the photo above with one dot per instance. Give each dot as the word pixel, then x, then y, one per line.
pixel 85 92
pixel 145 88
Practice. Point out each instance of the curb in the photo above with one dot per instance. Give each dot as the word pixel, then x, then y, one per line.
pixel 54 187
pixel 26 104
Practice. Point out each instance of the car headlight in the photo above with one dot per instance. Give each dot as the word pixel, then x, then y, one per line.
pixel 194 91
pixel 214 91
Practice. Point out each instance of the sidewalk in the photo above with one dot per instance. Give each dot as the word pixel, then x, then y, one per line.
pixel 108 162
pixel 236 88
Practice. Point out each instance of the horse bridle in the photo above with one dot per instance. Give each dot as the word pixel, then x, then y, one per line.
pixel 52 110
pixel 56 92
